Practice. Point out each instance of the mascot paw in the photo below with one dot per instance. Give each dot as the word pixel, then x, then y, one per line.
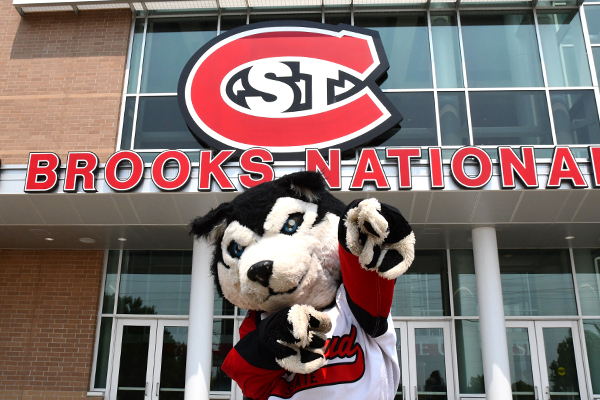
pixel 296 336
pixel 379 236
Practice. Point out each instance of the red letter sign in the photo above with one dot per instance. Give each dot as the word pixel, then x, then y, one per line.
pixel 436 167
pixel 369 168
pixel 251 166
pixel 81 164
pixel 158 170
pixel 404 156
pixel 457 166
pixel 41 172
pixel 564 167
pixel 595 157
pixel 510 164
pixel 331 172
pixel 212 167
pixel 112 165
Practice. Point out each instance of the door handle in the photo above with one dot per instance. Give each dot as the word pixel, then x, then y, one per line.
pixel 146 389
pixel 157 386
pixel 548 392
pixel 535 392
pixel 403 392
pixel 416 393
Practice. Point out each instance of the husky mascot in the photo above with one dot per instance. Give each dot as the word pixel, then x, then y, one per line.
pixel 318 279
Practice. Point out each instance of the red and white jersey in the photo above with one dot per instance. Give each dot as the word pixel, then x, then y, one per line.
pixel 362 362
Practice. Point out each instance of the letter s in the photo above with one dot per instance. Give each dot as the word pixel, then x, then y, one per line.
pixel 258 80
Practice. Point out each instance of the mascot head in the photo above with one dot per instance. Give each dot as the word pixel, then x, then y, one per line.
pixel 276 245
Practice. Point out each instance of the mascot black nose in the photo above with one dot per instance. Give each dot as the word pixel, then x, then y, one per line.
pixel 261 272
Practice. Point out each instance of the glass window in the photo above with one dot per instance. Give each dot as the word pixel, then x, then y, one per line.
pixel 169 45
pixel 335 19
pixel 155 282
pixel 128 123
pixel 314 17
pixel 510 118
pixel 521 368
pixel 592 342
pixel 418 125
pixel 222 343
pixel 423 290
pixel 229 22
pixel 110 284
pixel 134 64
pixel 537 282
pixel 501 50
pixel 596 53
pixel 406 40
pixel 160 125
pixel 592 17
pixel 587 266
pixel 575 116
pixel 453 119
pixel 468 355
pixel 446 51
pixel 464 285
pixel 222 306
pixel 103 352
pixel 173 360
pixel 564 49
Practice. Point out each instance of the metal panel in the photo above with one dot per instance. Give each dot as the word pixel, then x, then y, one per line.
pixel 420 207
pixel 191 205
pixel 126 208
pixel 16 209
pixel 590 209
pixel 452 207
pixel 56 209
pixel 495 207
pixel 571 205
pixel 540 205
pixel 97 209
pixel 156 208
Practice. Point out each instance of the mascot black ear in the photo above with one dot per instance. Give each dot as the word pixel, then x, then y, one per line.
pixel 212 225
pixel 307 184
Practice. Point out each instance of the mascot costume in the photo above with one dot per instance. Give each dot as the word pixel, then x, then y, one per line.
pixel 318 279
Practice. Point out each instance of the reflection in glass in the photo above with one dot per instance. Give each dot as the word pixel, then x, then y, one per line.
pixel 446 51
pixel 136 50
pixel 537 282
pixel 418 125
pixel 596 53
pixel 335 19
pixel 453 119
pixel 155 282
pixel 128 123
pixel 423 290
pixel 222 306
pixel 134 362
pixel 103 353
pixel 161 126
pixel 501 50
pixel 592 17
pixel 575 116
pixel 468 354
pixel 463 282
pixel 510 118
pixel 592 342
pixel 172 369
pixel 222 343
pixel 519 357
pixel 229 22
pixel 404 37
pixel 169 45
pixel 313 17
pixel 564 49
pixel 398 351
pixel 431 363
pixel 110 284
pixel 587 267
pixel 560 363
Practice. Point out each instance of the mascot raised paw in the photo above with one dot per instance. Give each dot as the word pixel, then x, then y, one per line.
pixel 317 279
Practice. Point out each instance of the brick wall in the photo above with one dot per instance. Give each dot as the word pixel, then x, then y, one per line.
pixel 48 312
pixel 61 80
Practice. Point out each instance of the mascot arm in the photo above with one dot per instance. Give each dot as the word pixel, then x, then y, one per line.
pixel 376 246
pixel 291 340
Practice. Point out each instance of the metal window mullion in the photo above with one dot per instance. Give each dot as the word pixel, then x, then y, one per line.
pixel 434 80
pixel 352 13
pixel 464 72
pixel 118 284
pixel 551 116
pixel 588 47
pixel 125 86
pixel 219 21
pixel 99 321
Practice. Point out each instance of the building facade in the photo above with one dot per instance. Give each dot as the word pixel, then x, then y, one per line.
pixel 105 294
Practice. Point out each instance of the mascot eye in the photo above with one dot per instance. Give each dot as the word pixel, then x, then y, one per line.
pixel 235 250
pixel 293 222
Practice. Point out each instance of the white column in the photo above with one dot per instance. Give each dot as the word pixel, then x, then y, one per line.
pixel 199 349
pixel 494 348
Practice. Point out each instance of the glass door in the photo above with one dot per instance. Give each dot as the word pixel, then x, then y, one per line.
pixel 545 360
pixel 425 360
pixel 149 358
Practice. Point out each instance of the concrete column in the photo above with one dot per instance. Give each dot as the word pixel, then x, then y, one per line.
pixel 494 348
pixel 199 349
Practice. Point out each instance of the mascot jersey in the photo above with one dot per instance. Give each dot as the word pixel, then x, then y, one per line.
pixel 361 356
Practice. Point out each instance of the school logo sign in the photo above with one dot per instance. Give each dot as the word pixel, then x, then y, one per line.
pixel 287 86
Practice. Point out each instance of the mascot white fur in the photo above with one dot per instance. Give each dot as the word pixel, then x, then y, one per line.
pixel 318 279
